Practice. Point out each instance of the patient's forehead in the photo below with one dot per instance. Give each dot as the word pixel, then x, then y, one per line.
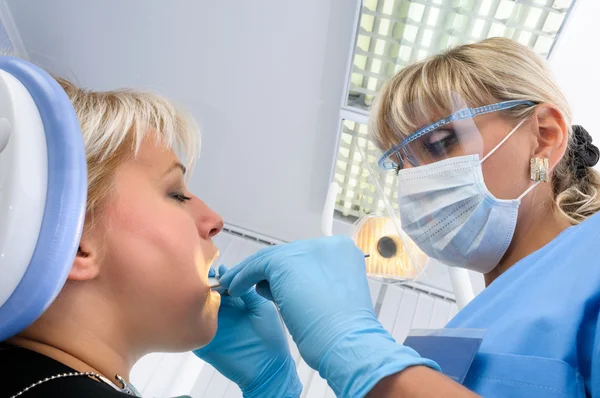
pixel 153 158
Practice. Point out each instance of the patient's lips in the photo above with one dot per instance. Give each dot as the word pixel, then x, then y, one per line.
pixel 204 261
pixel 215 256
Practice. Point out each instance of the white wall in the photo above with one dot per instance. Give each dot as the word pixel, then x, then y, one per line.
pixel 575 60
pixel 5 44
pixel 264 79
pixel 4 40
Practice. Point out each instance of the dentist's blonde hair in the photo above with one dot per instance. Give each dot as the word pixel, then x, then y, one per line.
pixel 484 73
pixel 115 123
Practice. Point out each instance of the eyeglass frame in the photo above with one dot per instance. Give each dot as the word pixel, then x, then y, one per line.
pixel 458 115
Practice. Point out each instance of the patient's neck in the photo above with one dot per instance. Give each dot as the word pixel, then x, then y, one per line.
pixel 85 338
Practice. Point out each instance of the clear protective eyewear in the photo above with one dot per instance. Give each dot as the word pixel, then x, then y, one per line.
pixel 451 136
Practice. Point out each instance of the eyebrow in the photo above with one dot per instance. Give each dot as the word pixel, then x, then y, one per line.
pixel 175 166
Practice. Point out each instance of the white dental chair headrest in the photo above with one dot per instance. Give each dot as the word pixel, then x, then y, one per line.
pixel 43 192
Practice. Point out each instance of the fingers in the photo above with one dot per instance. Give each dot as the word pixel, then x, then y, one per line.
pixel 252 297
pixel 264 289
pixel 222 270
pixel 256 268
pixel 246 274
pixel 228 301
pixel 211 273
pixel 253 301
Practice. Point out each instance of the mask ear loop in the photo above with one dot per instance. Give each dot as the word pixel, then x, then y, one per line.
pixel 503 140
pixel 528 190
pixel 499 145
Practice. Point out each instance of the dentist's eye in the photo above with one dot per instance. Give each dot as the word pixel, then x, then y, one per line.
pixel 441 143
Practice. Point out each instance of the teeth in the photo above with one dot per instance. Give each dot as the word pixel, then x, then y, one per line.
pixel 215 286
pixel 213 283
pixel 219 289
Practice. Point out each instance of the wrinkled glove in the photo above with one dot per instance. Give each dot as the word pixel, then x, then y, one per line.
pixel 321 289
pixel 251 347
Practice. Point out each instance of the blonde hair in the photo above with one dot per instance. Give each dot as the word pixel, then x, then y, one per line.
pixel 115 123
pixel 484 73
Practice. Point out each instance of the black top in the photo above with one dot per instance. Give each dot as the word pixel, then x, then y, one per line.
pixel 20 368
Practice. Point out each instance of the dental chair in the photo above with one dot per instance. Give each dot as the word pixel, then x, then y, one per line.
pixel 43 192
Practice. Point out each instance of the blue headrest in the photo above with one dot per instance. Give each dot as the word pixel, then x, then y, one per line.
pixel 65 202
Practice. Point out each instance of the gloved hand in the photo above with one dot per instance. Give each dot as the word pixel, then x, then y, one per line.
pixel 321 289
pixel 251 347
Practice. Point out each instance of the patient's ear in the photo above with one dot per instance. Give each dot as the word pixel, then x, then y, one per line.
pixel 86 265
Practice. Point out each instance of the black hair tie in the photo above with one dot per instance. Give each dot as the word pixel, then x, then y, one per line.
pixel 585 153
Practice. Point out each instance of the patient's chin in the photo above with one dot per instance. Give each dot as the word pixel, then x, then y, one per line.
pixel 206 328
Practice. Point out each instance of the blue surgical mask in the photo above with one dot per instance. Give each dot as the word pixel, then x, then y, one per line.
pixel 447 210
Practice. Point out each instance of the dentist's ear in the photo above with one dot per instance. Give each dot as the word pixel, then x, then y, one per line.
pixel 552 134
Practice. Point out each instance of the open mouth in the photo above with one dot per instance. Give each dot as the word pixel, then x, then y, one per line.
pixel 216 255
pixel 204 262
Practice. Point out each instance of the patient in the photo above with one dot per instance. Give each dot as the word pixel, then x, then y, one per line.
pixel 139 282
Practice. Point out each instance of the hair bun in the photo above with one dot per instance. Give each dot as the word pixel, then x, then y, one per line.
pixel 586 153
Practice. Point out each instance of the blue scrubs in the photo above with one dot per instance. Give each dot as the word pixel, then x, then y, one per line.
pixel 541 317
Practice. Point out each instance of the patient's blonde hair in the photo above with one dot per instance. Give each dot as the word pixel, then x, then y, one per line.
pixel 484 73
pixel 115 123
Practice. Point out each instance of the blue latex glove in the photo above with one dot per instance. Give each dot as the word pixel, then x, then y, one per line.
pixel 321 289
pixel 251 347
